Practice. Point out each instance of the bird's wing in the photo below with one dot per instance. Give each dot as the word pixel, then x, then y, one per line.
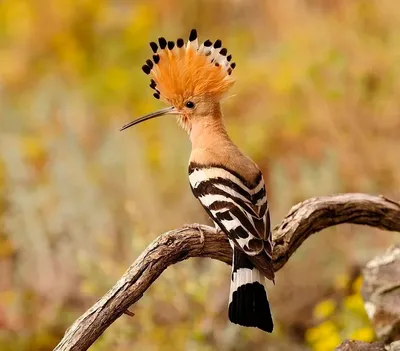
pixel 239 210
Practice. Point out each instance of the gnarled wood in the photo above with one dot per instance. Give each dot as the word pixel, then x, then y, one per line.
pixel 381 294
pixel 355 345
pixel 303 219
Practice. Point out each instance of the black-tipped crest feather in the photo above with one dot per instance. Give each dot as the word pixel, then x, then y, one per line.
pixel 146 69
pixel 156 59
pixel 154 46
pixel 149 63
pixel 217 44
pixel 160 72
pixel 193 35
pixel 162 42
pixel 171 45
pixel 180 43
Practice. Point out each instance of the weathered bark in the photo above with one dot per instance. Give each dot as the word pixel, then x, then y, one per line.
pixel 381 294
pixel 354 345
pixel 304 219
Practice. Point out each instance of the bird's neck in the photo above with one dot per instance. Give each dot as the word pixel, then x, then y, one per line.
pixel 211 145
pixel 209 132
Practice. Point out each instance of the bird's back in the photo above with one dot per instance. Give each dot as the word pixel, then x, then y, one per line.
pixel 220 171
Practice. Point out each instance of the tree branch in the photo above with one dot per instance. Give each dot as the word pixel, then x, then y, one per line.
pixel 303 219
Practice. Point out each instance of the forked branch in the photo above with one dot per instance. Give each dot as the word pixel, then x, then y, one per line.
pixel 303 219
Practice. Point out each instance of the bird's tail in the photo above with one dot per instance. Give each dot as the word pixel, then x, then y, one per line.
pixel 248 302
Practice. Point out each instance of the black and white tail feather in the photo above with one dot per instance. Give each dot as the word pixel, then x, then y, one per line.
pixel 248 300
pixel 240 210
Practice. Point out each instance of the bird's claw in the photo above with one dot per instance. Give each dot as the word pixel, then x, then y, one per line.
pixel 197 227
pixel 202 238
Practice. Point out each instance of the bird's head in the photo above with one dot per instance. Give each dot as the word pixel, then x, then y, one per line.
pixel 191 78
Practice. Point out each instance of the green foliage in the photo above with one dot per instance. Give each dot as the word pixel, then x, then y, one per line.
pixel 315 106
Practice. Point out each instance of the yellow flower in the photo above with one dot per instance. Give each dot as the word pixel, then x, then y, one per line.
pixel 325 308
pixel 354 303
pixel 328 343
pixel 320 332
pixel 363 334
pixel 357 284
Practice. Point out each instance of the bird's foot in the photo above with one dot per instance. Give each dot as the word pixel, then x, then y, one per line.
pixel 202 238
pixel 197 227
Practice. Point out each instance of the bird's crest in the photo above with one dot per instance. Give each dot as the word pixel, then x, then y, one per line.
pixel 179 72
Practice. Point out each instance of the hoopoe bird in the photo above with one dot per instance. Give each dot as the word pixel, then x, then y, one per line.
pixel 193 79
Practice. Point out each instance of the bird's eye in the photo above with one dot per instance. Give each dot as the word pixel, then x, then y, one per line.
pixel 189 104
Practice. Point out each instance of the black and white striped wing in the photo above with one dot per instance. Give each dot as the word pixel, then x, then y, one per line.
pixel 240 210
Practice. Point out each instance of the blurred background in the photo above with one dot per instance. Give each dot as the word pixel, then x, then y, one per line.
pixel 316 106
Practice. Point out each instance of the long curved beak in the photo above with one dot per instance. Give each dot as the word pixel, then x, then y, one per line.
pixel 165 111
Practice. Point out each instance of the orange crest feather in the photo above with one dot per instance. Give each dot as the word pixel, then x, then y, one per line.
pixel 181 72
